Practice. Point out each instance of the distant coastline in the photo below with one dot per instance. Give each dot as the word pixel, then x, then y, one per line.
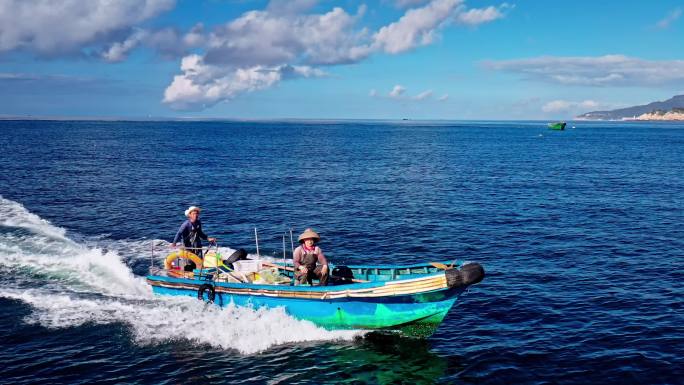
pixel 671 109
pixel 660 115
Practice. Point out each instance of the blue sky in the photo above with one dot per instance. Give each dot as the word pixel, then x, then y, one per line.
pixel 385 59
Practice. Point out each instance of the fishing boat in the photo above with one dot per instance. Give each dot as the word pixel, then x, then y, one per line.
pixel 411 299
pixel 559 126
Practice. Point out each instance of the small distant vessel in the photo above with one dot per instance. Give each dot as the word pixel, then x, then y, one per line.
pixel 558 126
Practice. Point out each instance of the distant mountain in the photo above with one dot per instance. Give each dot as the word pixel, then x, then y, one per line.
pixel 631 112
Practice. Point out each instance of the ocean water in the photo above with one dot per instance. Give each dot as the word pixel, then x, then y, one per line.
pixel 580 232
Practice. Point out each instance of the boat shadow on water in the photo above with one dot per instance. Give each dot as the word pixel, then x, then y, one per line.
pixel 388 358
pixel 376 358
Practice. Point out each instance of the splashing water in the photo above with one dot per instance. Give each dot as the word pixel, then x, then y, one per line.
pixel 68 284
pixel 33 248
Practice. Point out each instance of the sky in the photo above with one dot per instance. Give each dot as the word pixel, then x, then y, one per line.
pixel 308 59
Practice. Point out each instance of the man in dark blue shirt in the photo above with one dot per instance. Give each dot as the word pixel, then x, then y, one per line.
pixel 191 232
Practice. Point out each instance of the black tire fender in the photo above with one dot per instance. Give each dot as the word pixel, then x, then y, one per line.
pixel 211 294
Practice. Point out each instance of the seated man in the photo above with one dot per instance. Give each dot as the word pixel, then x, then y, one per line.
pixel 305 258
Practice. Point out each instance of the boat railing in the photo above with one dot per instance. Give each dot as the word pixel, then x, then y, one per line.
pixel 203 251
pixel 200 252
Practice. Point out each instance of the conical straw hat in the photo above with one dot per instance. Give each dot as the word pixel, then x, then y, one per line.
pixel 309 233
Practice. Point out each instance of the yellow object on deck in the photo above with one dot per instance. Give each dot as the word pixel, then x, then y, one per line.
pixel 182 254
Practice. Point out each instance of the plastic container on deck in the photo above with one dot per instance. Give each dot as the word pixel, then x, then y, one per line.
pixel 247 265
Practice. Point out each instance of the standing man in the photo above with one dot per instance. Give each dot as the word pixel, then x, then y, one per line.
pixel 191 233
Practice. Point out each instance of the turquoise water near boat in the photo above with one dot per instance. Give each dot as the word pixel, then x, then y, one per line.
pixel 583 258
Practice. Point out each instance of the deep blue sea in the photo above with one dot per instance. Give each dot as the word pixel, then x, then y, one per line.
pixel 581 234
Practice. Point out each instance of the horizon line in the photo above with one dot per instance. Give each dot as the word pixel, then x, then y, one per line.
pixel 8 117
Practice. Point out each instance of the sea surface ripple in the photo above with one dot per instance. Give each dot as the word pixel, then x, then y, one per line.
pixel 580 232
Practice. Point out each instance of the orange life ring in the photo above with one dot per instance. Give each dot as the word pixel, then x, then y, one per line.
pixel 168 262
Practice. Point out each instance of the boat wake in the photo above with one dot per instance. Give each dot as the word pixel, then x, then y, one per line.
pixel 69 284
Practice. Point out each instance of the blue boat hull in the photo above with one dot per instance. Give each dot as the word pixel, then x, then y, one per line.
pixel 415 304
pixel 416 315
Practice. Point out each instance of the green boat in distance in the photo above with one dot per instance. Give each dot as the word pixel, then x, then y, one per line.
pixel 558 126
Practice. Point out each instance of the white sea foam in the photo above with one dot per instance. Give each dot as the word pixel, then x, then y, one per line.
pixel 180 319
pixel 73 284
pixel 16 215
pixel 32 245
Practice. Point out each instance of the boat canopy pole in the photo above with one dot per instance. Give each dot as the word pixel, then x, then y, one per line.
pixel 218 261
pixel 256 238
pixel 283 249
pixel 292 250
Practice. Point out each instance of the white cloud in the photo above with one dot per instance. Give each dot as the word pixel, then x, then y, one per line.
pixel 265 38
pixel 443 98
pixel 286 31
pixel 423 95
pixel 202 85
pixel 67 27
pixel 608 70
pixel 484 15
pixel 168 42
pixel 417 27
pixel 254 51
pixel 671 17
pixel 290 35
pixel 565 106
pixel 195 36
pixel 420 26
pixel 119 50
pixel 260 49
pixel 397 91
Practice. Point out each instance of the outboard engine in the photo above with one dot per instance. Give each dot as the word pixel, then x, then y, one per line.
pixel 468 274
